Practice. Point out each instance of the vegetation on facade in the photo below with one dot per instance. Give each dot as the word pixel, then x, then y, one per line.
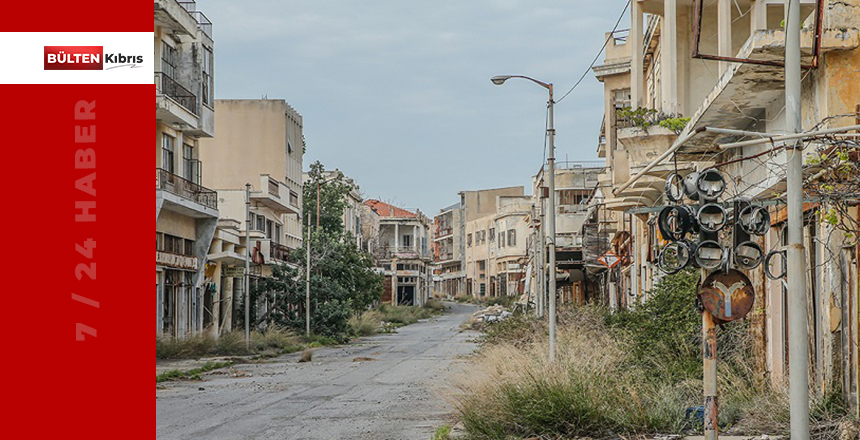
pixel 633 373
pixel 645 118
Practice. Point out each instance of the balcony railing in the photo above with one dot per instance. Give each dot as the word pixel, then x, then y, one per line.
pixel 444 232
pixel 168 86
pixel 202 21
pixel 185 188
pixel 279 252
pixel 274 188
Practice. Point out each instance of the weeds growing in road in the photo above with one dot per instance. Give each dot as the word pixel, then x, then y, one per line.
pixel 195 374
pixel 442 433
pixel 307 356
pixel 273 342
pixel 386 317
pixel 629 374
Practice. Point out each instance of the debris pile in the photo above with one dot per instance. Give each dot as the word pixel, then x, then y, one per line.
pixel 487 316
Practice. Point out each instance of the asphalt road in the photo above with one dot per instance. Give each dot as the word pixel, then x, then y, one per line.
pixel 399 395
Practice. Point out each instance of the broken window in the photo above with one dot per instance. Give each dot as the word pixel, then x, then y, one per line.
pixel 469 240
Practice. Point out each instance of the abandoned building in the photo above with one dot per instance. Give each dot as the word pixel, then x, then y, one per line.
pixel 402 254
pixel 186 212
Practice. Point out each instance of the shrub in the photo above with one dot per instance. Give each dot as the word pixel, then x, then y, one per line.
pixel 368 323
pixel 271 342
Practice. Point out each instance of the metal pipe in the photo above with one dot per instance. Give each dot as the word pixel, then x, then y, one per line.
pixel 788 137
pixel 675 147
pixel 542 255
pixel 553 294
pixel 798 334
pixel 248 267
pixel 709 348
pixel 308 281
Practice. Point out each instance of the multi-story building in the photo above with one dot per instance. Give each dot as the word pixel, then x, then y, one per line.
pixel 478 212
pixel 722 68
pixel 259 143
pixel 575 185
pixel 449 252
pixel 186 213
pixel 509 244
pixel 403 254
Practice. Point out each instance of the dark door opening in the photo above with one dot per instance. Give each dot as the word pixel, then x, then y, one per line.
pixel 406 295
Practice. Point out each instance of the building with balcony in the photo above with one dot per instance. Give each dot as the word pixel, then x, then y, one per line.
pixel 449 251
pixel 259 143
pixel 575 184
pixel 479 210
pixel 403 254
pixel 186 212
pixel 720 64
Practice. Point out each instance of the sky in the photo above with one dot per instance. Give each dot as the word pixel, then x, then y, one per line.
pixel 397 93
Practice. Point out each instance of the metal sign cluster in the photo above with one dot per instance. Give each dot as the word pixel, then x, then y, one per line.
pixel 707 221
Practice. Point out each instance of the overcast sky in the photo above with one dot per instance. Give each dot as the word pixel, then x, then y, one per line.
pixel 396 93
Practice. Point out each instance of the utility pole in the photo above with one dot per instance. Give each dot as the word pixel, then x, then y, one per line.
pixel 248 267
pixel 308 278
pixel 550 220
pixel 798 334
pixel 542 257
pixel 551 227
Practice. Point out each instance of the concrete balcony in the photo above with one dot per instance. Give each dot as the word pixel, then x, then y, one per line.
pixel 643 145
pixel 744 90
pixel 174 104
pixel 183 196
pixel 276 196
pixel 174 17
pixel 266 251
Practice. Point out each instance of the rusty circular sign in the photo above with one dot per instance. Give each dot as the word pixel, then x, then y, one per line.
pixel 728 296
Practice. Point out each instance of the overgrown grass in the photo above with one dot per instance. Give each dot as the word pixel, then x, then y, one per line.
pixel 442 433
pixel 195 374
pixel 386 317
pixel 631 374
pixel 271 343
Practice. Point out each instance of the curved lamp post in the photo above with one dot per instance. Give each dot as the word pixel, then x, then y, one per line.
pixel 500 80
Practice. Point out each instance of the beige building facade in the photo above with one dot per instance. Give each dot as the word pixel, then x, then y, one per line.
pixel 259 143
pixel 654 68
pixel 186 212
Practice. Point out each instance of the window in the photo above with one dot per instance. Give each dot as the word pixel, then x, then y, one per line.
pixel 502 239
pixel 261 223
pixel 168 60
pixel 483 289
pixel 512 237
pixel 208 62
pixel 469 240
pixel 294 198
pixel 190 166
pixel 492 235
pixel 571 197
pixel 407 241
pixel 277 236
pixel 270 229
pixel 167 153
pixel 173 245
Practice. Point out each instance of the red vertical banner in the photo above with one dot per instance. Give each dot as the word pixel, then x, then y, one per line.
pixel 74 138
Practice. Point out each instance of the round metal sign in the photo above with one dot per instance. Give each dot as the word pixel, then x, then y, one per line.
pixel 728 296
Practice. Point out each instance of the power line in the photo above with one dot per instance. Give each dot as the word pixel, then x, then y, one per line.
pixel 596 58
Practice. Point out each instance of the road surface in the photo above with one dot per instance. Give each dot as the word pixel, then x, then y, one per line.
pixel 398 395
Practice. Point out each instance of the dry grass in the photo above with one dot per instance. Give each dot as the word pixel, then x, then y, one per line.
pixel 597 388
pixel 307 356
pixel 270 343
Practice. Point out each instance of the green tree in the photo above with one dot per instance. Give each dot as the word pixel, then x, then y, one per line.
pixel 342 278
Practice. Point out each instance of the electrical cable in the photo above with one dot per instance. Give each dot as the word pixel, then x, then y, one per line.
pixel 596 58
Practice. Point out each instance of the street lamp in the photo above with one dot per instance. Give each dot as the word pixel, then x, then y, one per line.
pixel 500 80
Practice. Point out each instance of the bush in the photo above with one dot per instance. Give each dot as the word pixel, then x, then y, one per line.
pixel 633 373
pixel 368 323
pixel 435 306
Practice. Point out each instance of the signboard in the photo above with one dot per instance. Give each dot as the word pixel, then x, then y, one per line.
pixel 728 296
pixel 233 272
pixel 174 260
pixel 609 260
